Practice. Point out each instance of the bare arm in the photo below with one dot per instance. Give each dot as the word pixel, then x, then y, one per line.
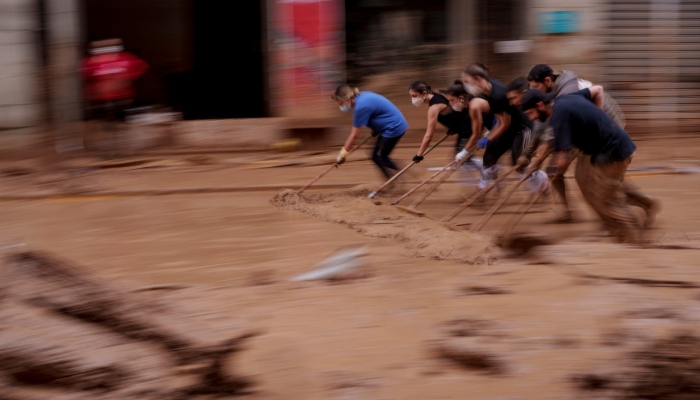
pixel 564 159
pixel 598 96
pixel 354 133
pixel 433 112
pixel 476 108
pixel 503 125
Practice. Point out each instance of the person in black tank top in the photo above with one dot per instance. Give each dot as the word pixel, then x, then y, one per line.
pixel 439 111
pixel 509 125
pixel 460 101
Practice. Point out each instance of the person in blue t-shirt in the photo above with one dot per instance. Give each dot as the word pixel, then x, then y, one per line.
pixel 377 113
pixel 606 149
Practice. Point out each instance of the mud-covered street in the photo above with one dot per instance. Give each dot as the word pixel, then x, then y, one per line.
pixel 205 245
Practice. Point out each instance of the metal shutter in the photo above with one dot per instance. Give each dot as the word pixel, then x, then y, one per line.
pixel 651 63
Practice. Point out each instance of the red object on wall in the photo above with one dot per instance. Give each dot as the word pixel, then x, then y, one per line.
pixel 307 53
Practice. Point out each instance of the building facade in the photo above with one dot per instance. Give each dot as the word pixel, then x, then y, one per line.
pixel 282 58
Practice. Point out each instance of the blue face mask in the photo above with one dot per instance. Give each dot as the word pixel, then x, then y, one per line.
pixel 344 108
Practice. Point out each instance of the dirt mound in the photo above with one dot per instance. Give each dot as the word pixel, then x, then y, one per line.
pixel 665 369
pixel 422 237
pixel 65 332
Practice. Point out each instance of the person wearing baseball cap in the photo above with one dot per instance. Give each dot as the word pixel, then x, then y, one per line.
pixel 542 77
pixel 606 151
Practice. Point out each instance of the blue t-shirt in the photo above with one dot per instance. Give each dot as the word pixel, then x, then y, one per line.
pixel 578 122
pixel 379 114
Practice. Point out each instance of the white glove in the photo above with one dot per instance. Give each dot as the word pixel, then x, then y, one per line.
pixel 341 156
pixel 461 155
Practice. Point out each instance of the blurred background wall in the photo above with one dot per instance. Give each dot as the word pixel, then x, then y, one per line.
pixel 20 100
pixel 226 60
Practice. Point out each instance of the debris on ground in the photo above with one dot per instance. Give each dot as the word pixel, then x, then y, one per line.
pixel 67 332
pixel 663 369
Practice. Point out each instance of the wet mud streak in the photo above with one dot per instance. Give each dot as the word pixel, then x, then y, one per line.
pixel 644 282
pixel 422 237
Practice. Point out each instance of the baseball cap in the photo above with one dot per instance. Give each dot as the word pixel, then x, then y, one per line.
pixel 533 96
pixel 539 72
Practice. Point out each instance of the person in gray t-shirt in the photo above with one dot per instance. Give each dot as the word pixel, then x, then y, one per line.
pixel 543 78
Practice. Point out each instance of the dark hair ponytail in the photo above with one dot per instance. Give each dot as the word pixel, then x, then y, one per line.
pixel 421 87
pixel 477 70
pixel 457 89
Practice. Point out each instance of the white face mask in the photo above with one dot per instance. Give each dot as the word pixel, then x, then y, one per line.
pixel 344 108
pixel 472 89
pixel 417 101
pixel 459 106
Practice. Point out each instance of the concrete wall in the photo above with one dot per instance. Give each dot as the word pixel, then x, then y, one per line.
pixel 19 89
pixel 64 78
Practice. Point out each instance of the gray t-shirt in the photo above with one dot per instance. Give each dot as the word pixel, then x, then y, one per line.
pixel 566 83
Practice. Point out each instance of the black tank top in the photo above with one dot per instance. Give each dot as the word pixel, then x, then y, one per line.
pixel 458 122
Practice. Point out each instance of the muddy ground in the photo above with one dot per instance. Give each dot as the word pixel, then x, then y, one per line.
pixel 436 311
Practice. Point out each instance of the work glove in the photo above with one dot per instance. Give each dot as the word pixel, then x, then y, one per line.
pixel 483 142
pixel 531 169
pixel 375 134
pixel 523 161
pixel 417 158
pixel 461 155
pixel 341 156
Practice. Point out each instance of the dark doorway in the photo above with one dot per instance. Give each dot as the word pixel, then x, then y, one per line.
pixel 228 60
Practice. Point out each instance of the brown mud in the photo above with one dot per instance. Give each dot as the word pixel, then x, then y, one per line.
pixel 422 237
pixel 581 318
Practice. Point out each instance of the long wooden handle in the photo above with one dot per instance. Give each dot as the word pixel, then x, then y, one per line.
pixel 480 224
pixel 334 165
pixel 371 196
pixel 442 180
pixel 477 227
pixel 395 202
pixel 478 195
pixel 512 222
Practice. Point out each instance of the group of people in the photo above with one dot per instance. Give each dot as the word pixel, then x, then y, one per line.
pixel 545 113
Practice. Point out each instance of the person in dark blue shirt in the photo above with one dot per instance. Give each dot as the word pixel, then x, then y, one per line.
pixel 606 149
pixel 377 113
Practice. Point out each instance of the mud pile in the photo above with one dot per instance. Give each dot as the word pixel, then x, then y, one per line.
pixel 68 336
pixel 663 369
pixel 422 237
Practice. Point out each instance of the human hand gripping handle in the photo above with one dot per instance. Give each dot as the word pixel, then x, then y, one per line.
pixel 341 156
pixel 482 143
pixel 523 161
pixel 417 158
pixel 461 156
